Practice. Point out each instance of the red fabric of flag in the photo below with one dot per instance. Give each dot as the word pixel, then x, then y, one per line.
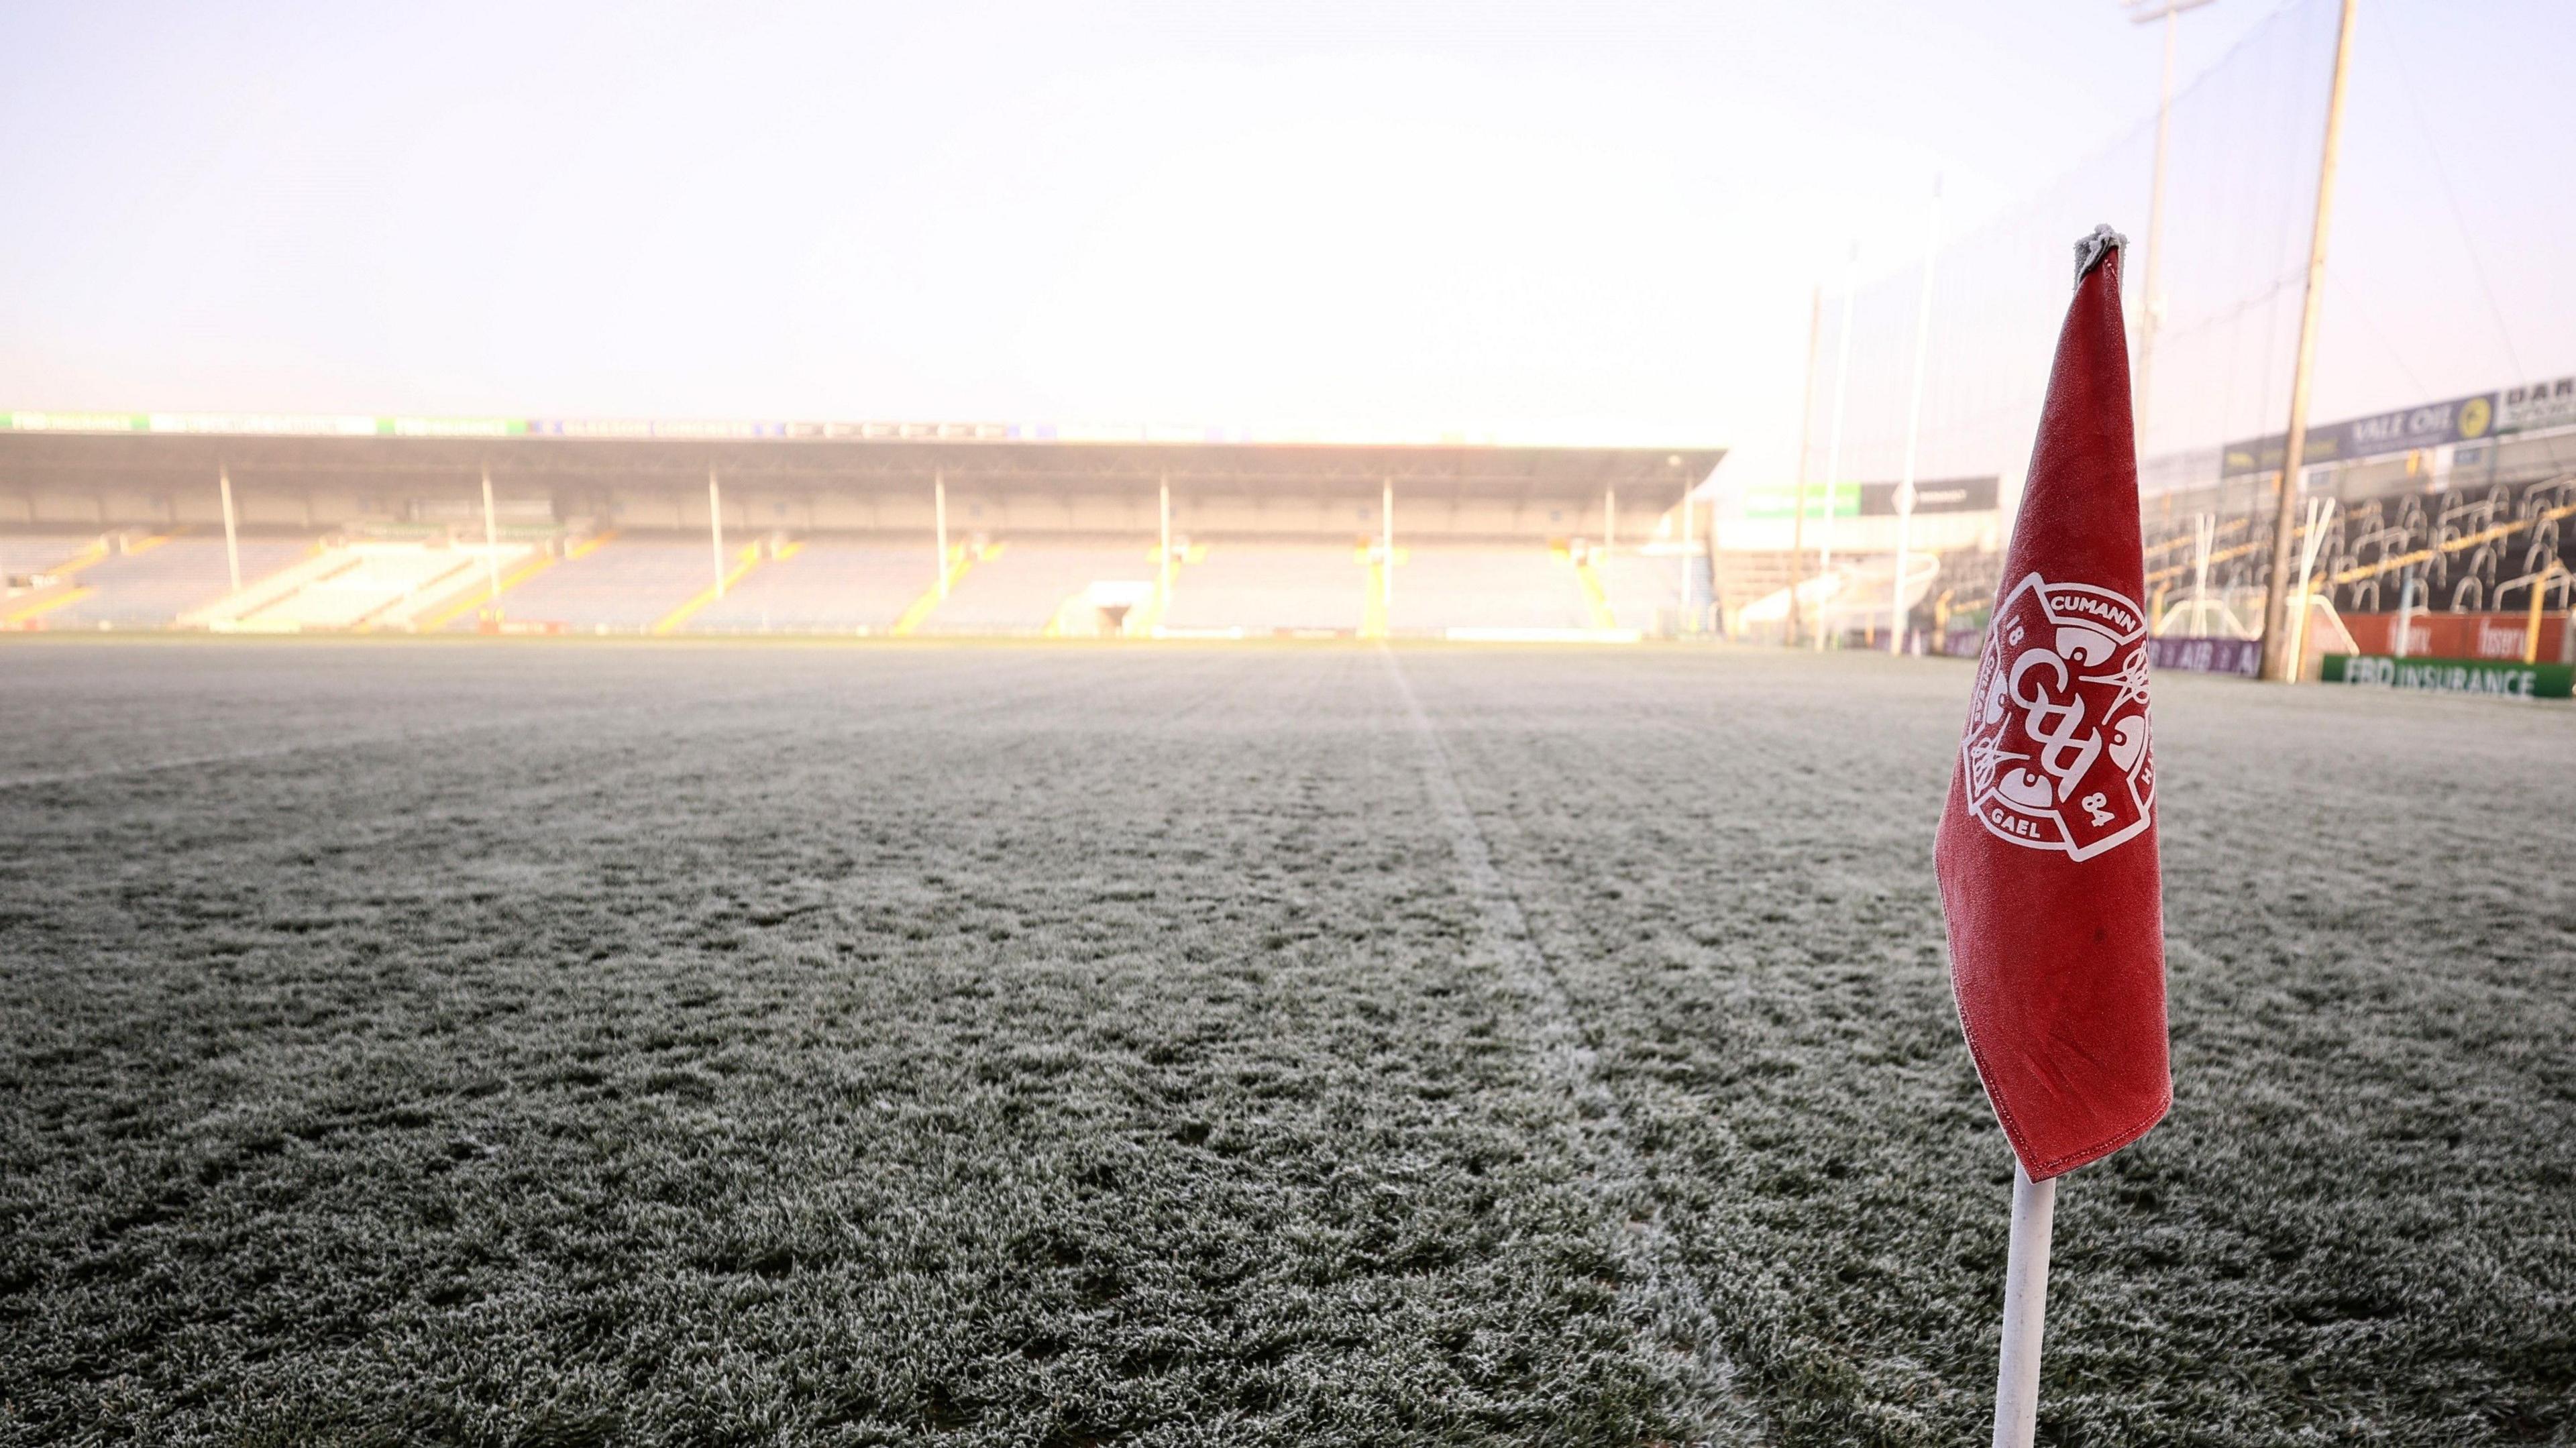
pixel 2047 847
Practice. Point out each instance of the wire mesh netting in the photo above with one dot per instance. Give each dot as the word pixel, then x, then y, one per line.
pixel 2432 503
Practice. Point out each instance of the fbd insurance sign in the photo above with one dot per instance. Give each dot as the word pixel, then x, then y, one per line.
pixel 2452 676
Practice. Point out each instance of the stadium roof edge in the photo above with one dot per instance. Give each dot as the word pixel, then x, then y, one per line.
pixel 84 462
pixel 319 425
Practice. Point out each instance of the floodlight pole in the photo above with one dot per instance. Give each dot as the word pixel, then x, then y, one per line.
pixel 939 520
pixel 2025 1310
pixel 232 537
pixel 715 529
pixel 1834 447
pixel 1913 427
pixel 1806 439
pixel 2277 663
pixel 491 535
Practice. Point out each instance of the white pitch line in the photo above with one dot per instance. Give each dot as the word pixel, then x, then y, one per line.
pixel 1567 1060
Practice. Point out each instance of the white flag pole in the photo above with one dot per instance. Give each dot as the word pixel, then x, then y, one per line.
pixel 2025 1311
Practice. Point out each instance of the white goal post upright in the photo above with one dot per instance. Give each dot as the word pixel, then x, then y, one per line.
pixel 1386 545
pixel 491 536
pixel 1806 446
pixel 232 538
pixel 2025 1310
pixel 715 529
pixel 2279 664
pixel 1834 438
pixel 1690 620
pixel 2320 512
pixel 1913 427
pixel 939 523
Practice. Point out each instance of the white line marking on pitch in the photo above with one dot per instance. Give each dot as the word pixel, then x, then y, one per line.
pixel 1647 1250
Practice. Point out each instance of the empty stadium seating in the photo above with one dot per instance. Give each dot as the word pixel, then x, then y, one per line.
pixel 862 583
pixel 1439 589
pixel 618 585
pixel 1020 589
pixel 356 585
pixel 1645 590
pixel 24 554
pixel 151 586
pixel 1263 589
pixel 824 587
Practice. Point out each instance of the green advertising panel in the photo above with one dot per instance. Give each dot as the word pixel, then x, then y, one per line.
pixel 2452 676
pixel 1780 500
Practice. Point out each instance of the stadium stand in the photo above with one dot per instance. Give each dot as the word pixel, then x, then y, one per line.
pixel 355 585
pixel 823 586
pixel 1644 589
pixel 1264 589
pixel 1018 588
pixel 26 554
pixel 625 583
pixel 1439 589
pixel 829 527
pixel 156 582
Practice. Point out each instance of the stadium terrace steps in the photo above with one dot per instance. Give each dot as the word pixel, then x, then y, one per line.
pixel 354 586
pixel 1021 589
pixel 153 584
pixel 25 554
pixel 1642 588
pixel 625 584
pixel 859 584
pixel 1264 589
pixel 1439 589
pixel 823 587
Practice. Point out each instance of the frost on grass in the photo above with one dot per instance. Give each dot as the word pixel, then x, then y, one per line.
pixel 1013 1046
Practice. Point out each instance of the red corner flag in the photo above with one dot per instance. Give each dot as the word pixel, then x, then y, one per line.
pixel 2047 847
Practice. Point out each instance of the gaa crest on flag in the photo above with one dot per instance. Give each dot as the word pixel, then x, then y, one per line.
pixel 2056 753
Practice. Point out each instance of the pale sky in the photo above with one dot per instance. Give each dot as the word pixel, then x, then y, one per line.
pixel 1598 222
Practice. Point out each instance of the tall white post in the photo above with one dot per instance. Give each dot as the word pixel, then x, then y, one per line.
pixel 2025 1311
pixel 1166 484
pixel 2152 301
pixel 1690 620
pixel 232 539
pixel 491 535
pixel 1913 427
pixel 715 529
pixel 939 517
pixel 1386 545
pixel 2277 665
pixel 2204 539
pixel 1834 446
pixel 2405 610
pixel 1609 519
pixel 1806 449
pixel 2319 510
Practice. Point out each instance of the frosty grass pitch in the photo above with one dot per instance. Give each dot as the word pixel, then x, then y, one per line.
pixel 577 1043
